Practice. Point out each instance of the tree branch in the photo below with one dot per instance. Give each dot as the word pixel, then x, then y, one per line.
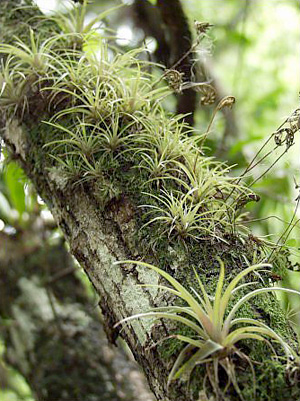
pixel 101 231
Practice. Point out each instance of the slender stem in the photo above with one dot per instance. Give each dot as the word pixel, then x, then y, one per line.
pixel 185 55
pixel 269 168
pixel 262 159
pixel 288 230
pixel 250 165
pixel 210 123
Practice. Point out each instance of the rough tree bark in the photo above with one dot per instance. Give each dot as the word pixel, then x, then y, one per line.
pixel 54 327
pixel 100 236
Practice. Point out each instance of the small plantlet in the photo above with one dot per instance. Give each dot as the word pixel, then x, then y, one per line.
pixel 177 215
pixel 107 116
pixel 13 89
pixel 73 26
pixel 217 330
pixel 34 59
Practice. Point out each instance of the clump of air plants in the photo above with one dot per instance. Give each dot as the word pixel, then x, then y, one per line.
pixel 216 329
pixel 107 116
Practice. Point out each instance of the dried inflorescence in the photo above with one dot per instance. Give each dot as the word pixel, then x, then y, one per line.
pixel 286 134
pixel 208 93
pixel 174 79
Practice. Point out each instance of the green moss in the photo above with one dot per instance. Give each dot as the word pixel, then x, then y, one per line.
pixel 111 135
pixel 265 307
pixel 29 14
pixel 271 383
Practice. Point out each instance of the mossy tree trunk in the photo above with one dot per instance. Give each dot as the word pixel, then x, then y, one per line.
pixel 101 234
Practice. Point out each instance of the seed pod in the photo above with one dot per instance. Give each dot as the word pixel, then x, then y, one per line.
pixel 174 79
pixel 202 27
pixel 209 94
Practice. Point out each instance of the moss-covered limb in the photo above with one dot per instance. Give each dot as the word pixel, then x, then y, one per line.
pixel 53 328
pixel 111 138
pixel 97 240
pixel 17 22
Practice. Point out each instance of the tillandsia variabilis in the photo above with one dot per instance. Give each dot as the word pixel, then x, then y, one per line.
pixel 216 325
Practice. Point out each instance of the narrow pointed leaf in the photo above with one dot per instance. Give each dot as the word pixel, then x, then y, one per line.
pixel 232 285
pixel 251 295
pixel 180 359
pixel 164 315
pixel 207 350
pixel 216 306
pixel 184 294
